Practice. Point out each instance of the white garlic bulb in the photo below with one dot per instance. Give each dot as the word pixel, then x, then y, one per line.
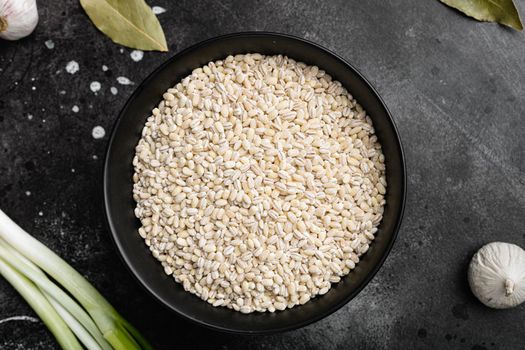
pixel 497 275
pixel 18 18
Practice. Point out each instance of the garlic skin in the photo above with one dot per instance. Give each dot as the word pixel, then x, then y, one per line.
pixel 18 18
pixel 497 275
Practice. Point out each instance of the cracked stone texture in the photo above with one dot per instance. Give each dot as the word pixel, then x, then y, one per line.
pixel 454 86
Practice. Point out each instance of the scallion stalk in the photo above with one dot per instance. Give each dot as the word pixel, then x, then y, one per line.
pixel 50 290
pixel 41 305
pixel 90 316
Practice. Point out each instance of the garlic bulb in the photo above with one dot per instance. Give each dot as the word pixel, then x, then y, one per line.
pixel 18 18
pixel 497 275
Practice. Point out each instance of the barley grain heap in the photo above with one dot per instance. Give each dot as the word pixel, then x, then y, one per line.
pixel 259 182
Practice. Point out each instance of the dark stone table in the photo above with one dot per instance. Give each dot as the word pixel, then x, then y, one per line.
pixel 456 90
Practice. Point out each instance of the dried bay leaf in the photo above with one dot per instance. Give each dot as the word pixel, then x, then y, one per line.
pixel 500 11
pixel 131 23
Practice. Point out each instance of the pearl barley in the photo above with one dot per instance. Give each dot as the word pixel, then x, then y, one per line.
pixel 259 182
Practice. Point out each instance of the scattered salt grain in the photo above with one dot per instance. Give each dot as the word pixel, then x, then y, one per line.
pixel 72 67
pixel 124 81
pixel 136 55
pixel 49 44
pixel 158 10
pixel 95 86
pixel 98 132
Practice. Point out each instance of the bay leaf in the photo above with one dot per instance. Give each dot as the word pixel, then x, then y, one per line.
pixel 500 11
pixel 131 23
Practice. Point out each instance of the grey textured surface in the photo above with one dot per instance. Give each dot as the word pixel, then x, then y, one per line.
pixel 454 86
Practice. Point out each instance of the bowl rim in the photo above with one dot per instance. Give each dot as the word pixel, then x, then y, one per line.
pixel 126 259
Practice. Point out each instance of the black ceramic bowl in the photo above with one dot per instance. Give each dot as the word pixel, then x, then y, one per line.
pixel 118 172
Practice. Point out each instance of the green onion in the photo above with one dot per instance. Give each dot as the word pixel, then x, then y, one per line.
pixel 87 314
pixel 42 307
